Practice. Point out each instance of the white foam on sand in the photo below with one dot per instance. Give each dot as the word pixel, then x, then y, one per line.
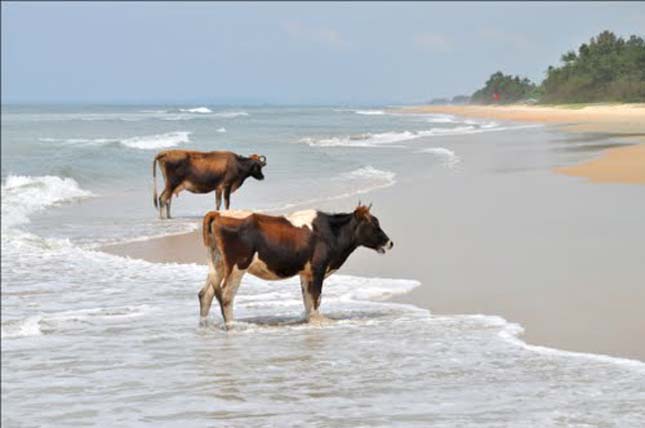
pixel 447 156
pixel 359 181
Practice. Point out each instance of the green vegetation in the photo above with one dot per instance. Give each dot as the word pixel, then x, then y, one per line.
pixel 607 69
pixel 504 89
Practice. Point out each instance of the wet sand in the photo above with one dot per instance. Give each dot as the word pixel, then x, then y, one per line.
pixel 623 121
pixel 561 257
pixel 572 282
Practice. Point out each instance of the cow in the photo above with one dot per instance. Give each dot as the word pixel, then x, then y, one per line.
pixel 311 244
pixel 203 172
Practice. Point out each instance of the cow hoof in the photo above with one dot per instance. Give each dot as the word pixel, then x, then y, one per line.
pixel 203 321
pixel 318 320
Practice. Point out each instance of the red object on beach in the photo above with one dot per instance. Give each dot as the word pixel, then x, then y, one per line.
pixel 495 96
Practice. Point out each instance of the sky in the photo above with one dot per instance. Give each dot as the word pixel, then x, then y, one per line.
pixel 286 53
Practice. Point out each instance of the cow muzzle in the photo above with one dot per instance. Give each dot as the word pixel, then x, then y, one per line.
pixel 388 246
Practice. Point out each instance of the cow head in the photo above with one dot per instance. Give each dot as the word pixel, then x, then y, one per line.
pixel 368 231
pixel 259 162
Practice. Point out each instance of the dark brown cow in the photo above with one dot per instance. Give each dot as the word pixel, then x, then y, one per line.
pixel 203 172
pixel 309 243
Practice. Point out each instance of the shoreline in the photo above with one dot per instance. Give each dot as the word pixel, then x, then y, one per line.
pixel 571 322
pixel 620 121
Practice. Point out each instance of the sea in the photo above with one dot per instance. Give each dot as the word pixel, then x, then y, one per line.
pixel 94 339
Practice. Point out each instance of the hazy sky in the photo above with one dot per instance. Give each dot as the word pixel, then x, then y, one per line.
pixel 286 52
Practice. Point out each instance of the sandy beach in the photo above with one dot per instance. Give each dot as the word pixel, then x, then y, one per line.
pixel 621 121
pixel 559 304
pixel 485 264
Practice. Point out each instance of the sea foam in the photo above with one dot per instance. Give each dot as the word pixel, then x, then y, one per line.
pixel 145 142
pixel 389 139
pixel 231 114
pixel 23 195
pixel 196 110
pixel 370 112
pixel 448 157
pixel 160 141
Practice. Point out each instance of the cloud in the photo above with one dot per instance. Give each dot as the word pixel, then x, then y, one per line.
pixel 433 42
pixel 320 35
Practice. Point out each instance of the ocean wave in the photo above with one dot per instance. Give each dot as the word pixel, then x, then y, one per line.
pixel 27 327
pixel 36 325
pixel 159 141
pixel 364 112
pixel 370 112
pixel 230 114
pixel 449 157
pixel 440 118
pixel 221 130
pixel 196 110
pixel 146 142
pixel 369 173
pixel 359 181
pixel 360 140
pixel 511 333
pixel 24 195
pixel 387 139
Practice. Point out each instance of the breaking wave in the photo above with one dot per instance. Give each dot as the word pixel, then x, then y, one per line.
pixel 196 110
pixel 146 142
pixel 23 195
pixel 387 139
pixel 229 114
pixel 159 141
pixel 370 112
pixel 441 118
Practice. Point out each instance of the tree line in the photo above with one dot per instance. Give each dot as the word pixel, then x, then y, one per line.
pixel 607 69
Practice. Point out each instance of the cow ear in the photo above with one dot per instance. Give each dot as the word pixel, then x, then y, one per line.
pixel 361 212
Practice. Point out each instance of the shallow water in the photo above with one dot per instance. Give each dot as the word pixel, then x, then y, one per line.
pixel 94 339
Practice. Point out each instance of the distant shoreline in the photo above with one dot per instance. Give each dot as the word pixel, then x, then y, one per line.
pixel 622 121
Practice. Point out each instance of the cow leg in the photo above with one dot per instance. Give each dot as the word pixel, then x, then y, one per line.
pixel 168 206
pixel 227 197
pixel 307 298
pixel 218 198
pixel 211 288
pixel 231 285
pixel 315 293
pixel 164 201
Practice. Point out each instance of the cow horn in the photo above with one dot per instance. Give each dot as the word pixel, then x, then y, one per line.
pixel 263 159
pixel 370 207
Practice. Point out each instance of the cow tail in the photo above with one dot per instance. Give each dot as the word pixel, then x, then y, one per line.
pixel 154 182
pixel 206 227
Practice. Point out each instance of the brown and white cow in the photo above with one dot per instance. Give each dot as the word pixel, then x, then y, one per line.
pixel 203 172
pixel 311 244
